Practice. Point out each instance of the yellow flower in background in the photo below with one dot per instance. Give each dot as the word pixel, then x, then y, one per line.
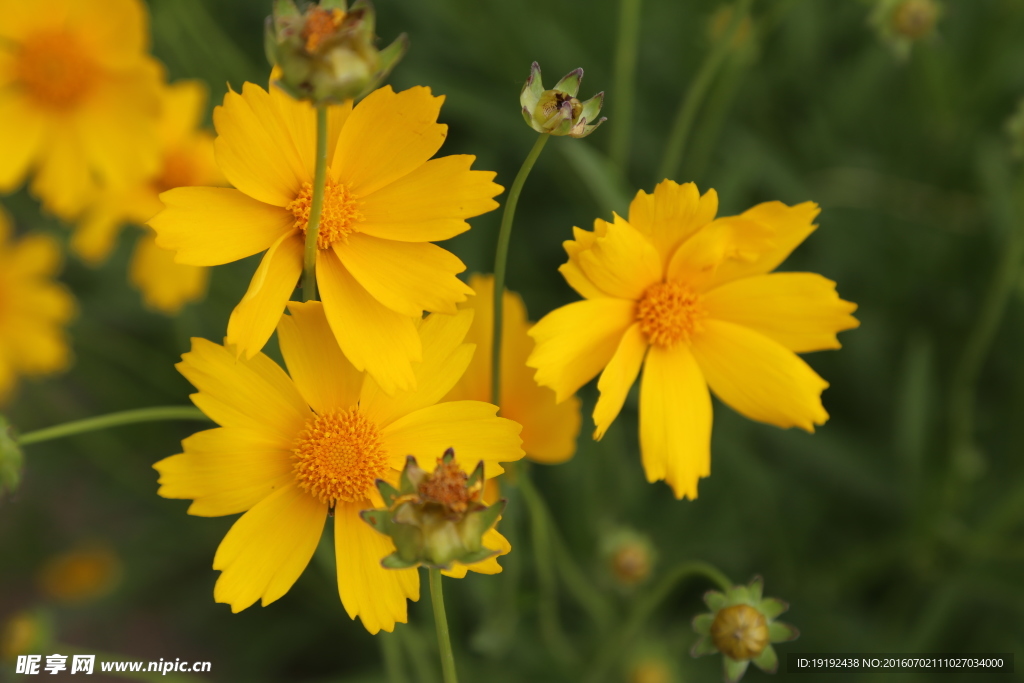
pixel 78 98
pixel 289 449
pixel 80 575
pixel 186 159
pixel 549 429
pixel 692 299
pixel 386 200
pixel 33 308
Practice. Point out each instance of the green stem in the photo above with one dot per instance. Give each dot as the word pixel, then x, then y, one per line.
pixel 444 643
pixel 125 417
pixel 645 607
pixel 315 207
pixel 391 649
pixel 501 262
pixel 625 80
pixel 695 94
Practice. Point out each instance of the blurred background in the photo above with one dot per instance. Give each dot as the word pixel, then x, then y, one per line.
pixel 897 528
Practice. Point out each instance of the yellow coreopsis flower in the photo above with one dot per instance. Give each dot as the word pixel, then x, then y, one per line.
pixel 385 201
pixel 291 449
pixel 549 428
pixel 78 98
pixel 692 299
pixel 186 159
pixel 33 308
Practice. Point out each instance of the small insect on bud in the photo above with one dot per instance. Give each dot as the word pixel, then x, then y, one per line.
pixel 630 556
pixel 12 461
pixel 557 111
pixel 901 23
pixel 741 626
pixel 435 518
pixel 326 54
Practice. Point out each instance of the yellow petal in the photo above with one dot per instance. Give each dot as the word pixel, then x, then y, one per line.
pixel 118 30
pixel 407 277
pixel 373 337
pixel 575 341
pixel 299 119
pixel 316 364
pixel 387 136
pixel 35 255
pixel 431 203
pixel 253 394
pixel 492 540
pixel 718 244
pixel 257 314
pixel 470 427
pixel 618 377
pixel 571 270
pixel 21 138
pixel 267 549
pixel 374 594
pixel 225 471
pixel 63 180
pixel 208 226
pixel 801 311
pixel 95 235
pixel 671 214
pixel 622 262
pixel 675 420
pixel 166 286
pixel 758 377
pixel 445 359
pixel 182 105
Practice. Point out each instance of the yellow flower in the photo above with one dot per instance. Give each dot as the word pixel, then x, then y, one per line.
pixel 692 300
pixel 78 98
pixel 186 159
pixel 290 449
pixel 549 429
pixel 33 308
pixel 385 201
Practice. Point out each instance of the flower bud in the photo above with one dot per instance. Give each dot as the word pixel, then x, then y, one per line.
pixel 435 518
pixel 12 461
pixel 630 556
pixel 901 23
pixel 557 111
pixel 327 54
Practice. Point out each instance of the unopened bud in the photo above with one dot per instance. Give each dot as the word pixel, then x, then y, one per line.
pixel 12 461
pixel 901 23
pixel 557 111
pixel 630 556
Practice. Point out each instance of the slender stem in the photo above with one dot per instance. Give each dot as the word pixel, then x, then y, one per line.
pixel 696 93
pixel 391 650
pixel 444 643
pixel 643 608
pixel 125 417
pixel 625 80
pixel 501 261
pixel 316 206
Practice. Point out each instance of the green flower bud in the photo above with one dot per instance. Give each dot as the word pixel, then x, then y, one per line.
pixel 12 461
pixel 742 626
pixel 327 54
pixel 557 111
pixel 435 518
pixel 901 23
pixel 629 556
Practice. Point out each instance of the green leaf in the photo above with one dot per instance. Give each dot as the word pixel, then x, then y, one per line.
pixel 780 632
pixel 734 669
pixel 702 623
pixel 773 607
pixel 703 646
pixel 715 600
pixel 767 661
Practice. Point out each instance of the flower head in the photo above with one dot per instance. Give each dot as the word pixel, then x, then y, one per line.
pixel 385 201
pixel 79 100
pixel 557 111
pixel 692 300
pixel 291 449
pixel 742 626
pixel 630 556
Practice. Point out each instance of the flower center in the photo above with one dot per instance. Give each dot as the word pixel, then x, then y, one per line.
pixel 740 632
pixel 669 313
pixel 446 486
pixel 338 217
pixel 321 24
pixel 55 69
pixel 339 456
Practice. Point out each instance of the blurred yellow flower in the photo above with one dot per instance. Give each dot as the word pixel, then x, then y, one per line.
pixel 385 201
pixel 78 98
pixel 80 575
pixel 186 158
pixel 290 449
pixel 691 299
pixel 549 429
pixel 33 308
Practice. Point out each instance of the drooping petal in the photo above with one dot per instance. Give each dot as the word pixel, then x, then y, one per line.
pixel 257 314
pixel 758 377
pixel 315 362
pixel 671 214
pixel 267 549
pixel 675 420
pixel 374 594
pixel 618 378
pixel 622 263
pixel 225 471
pixel 166 286
pixel 208 226
pixel 801 311
pixel 576 341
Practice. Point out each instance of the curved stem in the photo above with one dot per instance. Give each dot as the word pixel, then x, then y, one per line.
pixel 501 261
pixel 315 207
pixel 125 417
pixel 696 93
pixel 444 643
pixel 644 608
pixel 625 80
